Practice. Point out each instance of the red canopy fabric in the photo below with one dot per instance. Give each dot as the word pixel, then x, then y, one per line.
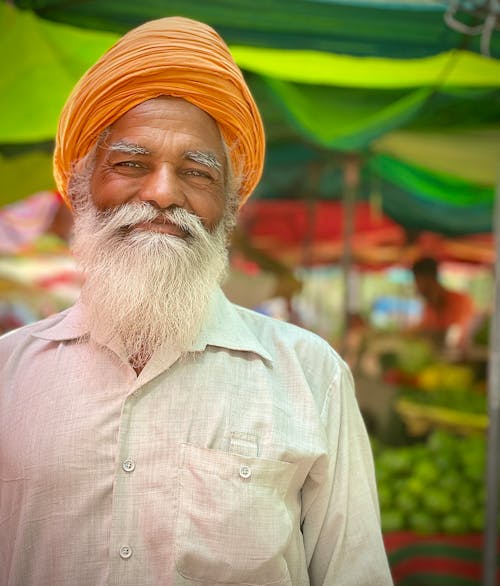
pixel 311 233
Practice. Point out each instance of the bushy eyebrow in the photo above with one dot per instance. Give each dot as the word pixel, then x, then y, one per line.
pixel 128 148
pixel 204 158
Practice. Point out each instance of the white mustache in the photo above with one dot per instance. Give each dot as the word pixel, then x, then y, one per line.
pixel 130 214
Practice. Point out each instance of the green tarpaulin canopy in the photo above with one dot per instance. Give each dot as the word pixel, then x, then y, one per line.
pixel 384 28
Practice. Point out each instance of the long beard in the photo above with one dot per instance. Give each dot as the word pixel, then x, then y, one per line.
pixel 147 288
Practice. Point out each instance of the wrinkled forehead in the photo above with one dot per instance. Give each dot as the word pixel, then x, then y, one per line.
pixel 168 113
pixel 144 129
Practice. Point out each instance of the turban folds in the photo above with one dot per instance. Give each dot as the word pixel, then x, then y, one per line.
pixel 172 56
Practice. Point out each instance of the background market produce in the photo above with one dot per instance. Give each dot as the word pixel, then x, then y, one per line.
pixel 448 396
pixel 413 354
pixel 432 487
pixel 441 376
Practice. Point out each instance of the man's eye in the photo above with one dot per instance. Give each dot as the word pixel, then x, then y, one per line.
pixel 132 164
pixel 198 173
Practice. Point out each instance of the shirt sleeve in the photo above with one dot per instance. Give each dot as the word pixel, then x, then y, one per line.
pixel 340 511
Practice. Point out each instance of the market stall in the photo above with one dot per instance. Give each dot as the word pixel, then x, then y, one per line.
pixel 423 128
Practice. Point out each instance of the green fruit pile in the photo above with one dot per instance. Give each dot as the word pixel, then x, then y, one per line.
pixel 437 486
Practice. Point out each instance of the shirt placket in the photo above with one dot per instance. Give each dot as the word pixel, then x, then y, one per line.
pixel 129 562
pixel 126 558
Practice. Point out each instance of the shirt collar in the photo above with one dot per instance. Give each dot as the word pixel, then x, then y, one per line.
pixel 223 327
pixel 69 325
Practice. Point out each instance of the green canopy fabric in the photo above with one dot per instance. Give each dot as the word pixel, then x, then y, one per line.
pixel 383 28
pixel 24 174
pixel 47 59
pixel 455 68
pixel 343 119
pixel 437 199
pixel 472 155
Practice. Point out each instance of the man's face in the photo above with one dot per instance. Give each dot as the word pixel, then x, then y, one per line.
pixel 166 152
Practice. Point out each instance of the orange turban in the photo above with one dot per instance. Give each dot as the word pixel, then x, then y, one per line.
pixel 172 56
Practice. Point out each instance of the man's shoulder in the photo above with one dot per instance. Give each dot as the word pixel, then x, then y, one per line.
pixel 273 332
pixel 13 338
pixel 297 354
pixel 456 294
pixel 459 300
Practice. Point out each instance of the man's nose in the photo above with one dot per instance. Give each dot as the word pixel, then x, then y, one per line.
pixel 162 188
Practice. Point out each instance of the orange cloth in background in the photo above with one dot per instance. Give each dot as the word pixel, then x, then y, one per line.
pixel 172 56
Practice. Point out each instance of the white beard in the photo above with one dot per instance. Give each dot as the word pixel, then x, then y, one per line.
pixel 147 288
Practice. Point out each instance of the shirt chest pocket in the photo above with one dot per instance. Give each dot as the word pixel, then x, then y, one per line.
pixel 233 525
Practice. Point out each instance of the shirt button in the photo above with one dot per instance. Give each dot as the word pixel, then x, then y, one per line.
pixel 245 472
pixel 125 552
pixel 128 465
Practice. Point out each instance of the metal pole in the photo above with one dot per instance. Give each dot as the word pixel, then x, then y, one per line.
pixel 311 200
pixel 351 185
pixel 493 451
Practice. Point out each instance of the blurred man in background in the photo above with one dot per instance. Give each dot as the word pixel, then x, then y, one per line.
pixel 448 315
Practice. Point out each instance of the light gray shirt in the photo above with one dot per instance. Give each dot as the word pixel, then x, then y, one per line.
pixel 245 461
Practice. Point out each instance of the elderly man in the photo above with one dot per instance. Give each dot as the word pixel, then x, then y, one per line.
pixel 154 433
